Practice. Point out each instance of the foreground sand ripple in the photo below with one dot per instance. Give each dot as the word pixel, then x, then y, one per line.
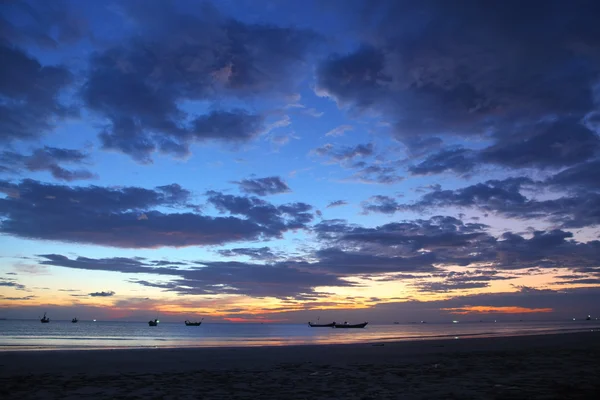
pixel 542 367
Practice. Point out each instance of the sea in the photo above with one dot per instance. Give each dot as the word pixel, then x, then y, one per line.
pixel 64 335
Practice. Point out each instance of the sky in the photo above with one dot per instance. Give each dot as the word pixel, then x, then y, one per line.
pixel 283 161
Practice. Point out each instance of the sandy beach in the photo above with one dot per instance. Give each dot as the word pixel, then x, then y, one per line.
pixel 562 366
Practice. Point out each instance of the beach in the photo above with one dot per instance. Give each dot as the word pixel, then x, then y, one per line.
pixel 560 366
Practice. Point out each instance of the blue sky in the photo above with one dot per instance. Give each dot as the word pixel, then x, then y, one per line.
pixel 275 160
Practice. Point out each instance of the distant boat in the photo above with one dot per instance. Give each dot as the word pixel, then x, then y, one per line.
pixel 318 325
pixel 189 323
pixel 331 325
pixel 74 320
pixel 396 323
pixel 347 325
pixel 153 323
pixel 44 319
pixel 589 318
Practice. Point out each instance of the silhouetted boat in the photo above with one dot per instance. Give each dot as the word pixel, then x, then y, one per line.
pixel 189 323
pixel 396 323
pixel 331 325
pixel 74 320
pixel 347 325
pixel 153 323
pixel 589 318
pixel 44 319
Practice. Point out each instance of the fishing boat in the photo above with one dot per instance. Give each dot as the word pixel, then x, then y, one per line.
pixel 153 323
pixel 331 325
pixel 74 320
pixel 44 319
pixel 318 325
pixel 347 325
pixel 190 323
pixel 589 318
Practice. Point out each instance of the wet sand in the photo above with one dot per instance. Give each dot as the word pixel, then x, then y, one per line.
pixel 562 366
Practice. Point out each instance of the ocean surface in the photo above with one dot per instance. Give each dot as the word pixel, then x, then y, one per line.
pixel 63 335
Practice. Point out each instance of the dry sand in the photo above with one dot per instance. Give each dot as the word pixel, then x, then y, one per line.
pixel 564 366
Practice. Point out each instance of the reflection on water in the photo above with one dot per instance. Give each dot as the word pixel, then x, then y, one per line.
pixel 20 335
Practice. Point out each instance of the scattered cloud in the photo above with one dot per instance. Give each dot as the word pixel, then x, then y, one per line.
pixel 261 253
pixel 102 294
pixel 111 216
pixel 7 282
pixel 340 130
pixel 178 57
pixel 263 186
pixel 337 203
pixel 344 154
pixel 30 92
pixel 47 159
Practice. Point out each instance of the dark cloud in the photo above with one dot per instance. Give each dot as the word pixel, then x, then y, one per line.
pixel 102 294
pixel 409 246
pixel 416 250
pixel 448 286
pixel 434 233
pixel 489 196
pixel 460 161
pixel 127 217
pixel 279 218
pixel 582 281
pixel 43 23
pixel 437 70
pixel 263 186
pixel 553 144
pixel 460 281
pixel 25 298
pixel 476 276
pixel 7 282
pixel 163 263
pixel 505 197
pixel 261 253
pixel 549 249
pixel 47 159
pixel 380 204
pixel 349 262
pixel 30 93
pixel 449 241
pixel 337 203
pixel 582 177
pixel 258 280
pixel 115 264
pixel 139 85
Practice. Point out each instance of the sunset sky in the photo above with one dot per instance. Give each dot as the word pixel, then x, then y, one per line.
pixel 283 160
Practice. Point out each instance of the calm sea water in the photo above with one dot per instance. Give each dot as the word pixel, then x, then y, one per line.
pixel 31 335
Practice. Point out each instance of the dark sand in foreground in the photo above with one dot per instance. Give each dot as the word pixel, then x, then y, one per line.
pixel 564 366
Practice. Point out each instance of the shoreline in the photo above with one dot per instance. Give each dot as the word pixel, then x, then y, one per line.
pixel 260 342
pixel 405 347
pixel 559 366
